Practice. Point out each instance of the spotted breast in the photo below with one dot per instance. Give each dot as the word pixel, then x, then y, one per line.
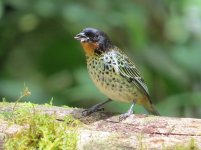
pixel 104 72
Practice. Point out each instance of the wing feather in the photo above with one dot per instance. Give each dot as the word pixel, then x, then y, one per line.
pixel 128 70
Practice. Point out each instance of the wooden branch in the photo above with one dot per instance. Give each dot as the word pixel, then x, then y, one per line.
pixel 104 131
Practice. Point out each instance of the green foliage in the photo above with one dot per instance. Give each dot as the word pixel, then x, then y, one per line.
pixel 37 47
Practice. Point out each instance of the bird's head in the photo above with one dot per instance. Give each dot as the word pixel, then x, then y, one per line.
pixel 93 40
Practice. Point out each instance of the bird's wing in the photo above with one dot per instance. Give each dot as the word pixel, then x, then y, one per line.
pixel 127 69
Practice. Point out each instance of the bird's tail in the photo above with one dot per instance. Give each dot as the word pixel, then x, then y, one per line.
pixel 147 103
pixel 152 110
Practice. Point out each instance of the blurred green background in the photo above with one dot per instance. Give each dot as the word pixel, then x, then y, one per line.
pixel 162 37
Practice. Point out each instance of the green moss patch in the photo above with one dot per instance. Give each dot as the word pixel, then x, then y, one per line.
pixel 41 131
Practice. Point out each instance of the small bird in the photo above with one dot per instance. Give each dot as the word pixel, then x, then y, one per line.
pixel 113 73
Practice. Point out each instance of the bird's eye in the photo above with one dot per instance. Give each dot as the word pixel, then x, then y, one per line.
pixel 89 34
pixel 96 35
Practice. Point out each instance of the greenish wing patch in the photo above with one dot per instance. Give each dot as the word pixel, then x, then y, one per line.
pixel 128 70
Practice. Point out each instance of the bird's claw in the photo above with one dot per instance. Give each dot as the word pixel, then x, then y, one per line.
pixel 91 110
pixel 85 112
pixel 125 115
pixel 100 109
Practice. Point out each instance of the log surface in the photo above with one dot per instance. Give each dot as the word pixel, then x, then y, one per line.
pixel 104 131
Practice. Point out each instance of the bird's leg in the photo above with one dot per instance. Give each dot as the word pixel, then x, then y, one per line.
pixel 95 108
pixel 128 113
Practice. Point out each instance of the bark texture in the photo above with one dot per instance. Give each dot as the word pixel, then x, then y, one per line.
pixel 104 131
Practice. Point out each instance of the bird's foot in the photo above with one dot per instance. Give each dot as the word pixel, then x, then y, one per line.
pixel 125 115
pixel 95 108
pixel 92 109
pixel 128 113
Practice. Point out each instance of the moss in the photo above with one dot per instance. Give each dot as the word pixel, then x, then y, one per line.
pixel 41 131
pixel 65 106
pixel 3 103
pixel 189 146
pixel 140 138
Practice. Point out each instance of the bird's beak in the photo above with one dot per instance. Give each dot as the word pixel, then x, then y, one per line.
pixel 81 37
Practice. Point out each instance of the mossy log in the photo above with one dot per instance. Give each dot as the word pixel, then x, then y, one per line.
pixel 103 130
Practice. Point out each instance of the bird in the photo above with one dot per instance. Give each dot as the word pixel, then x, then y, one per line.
pixel 113 73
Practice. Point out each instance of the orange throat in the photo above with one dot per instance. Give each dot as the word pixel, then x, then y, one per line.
pixel 89 48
